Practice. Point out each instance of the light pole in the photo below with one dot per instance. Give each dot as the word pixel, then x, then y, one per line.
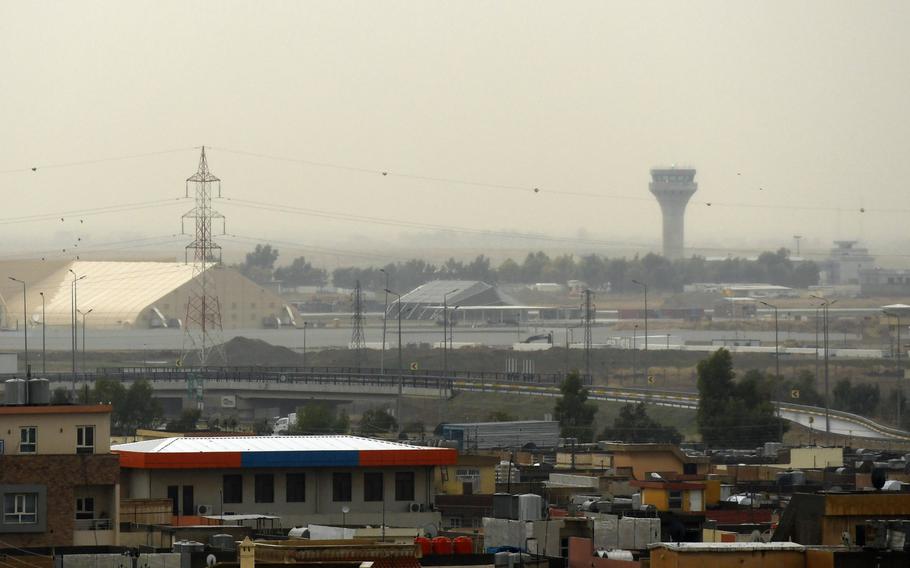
pixel 445 331
pixel 825 305
pixel 24 322
pixel 780 423
pixel 900 394
pixel 84 315
pixel 75 303
pixel 645 288
pixel 305 323
pixel 43 337
pixel 400 367
pixel 385 316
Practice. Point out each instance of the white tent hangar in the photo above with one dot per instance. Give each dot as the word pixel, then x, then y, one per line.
pixel 130 294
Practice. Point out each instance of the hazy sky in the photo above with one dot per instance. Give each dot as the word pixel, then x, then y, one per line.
pixel 807 100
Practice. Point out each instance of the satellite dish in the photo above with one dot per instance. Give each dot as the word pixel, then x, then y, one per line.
pixel 879 477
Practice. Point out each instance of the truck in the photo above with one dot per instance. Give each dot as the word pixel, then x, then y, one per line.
pixel 283 424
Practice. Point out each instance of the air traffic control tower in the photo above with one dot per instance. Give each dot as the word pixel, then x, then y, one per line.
pixel 673 187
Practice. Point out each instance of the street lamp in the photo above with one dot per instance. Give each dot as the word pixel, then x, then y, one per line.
pixel 645 288
pixel 899 367
pixel 344 524
pixel 385 316
pixel 825 305
pixel 400 368
pixel 84 315
pixel 43 337
pixel 75 303
pixel 305 323
pixel 445 332
pixel 24 322
pixel 780 423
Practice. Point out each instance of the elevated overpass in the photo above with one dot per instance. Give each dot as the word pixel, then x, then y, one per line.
pixel 246 390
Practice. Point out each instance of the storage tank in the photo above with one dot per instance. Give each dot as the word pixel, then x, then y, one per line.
pixel 425 544
pixel 39 391
pixel 15 392
pixel 501 559
pixel 618 554
pixel 530 507
pixel 463 545
pixel 442 546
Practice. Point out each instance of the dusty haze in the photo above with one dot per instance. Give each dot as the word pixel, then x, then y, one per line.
pixel 805 100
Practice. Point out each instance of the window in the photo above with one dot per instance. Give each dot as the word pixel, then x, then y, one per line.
pixel 232 488
pixel 265 488
pixel 675 501
pixel 85 508
pixel 341 486
pixel 173 493
pixel 372 486
pixel 404 486
pixel 85 439
pixel 295 487
pixel 690 468
pixel 20 508
pixel 28 440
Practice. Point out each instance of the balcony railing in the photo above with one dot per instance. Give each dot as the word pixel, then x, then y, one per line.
pixel 93 525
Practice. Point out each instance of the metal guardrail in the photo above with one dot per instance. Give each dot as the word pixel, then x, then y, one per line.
pixel 92 525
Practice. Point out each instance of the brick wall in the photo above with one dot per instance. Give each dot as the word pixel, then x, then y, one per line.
pixel 61 474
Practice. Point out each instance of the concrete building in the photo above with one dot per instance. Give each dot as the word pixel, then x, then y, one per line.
pixel 428 301
pixel 845 262
pixel 640 460
pixel 59 483
pixel 673 187
pixel 301 479
pixel 884 282
pixel 132 295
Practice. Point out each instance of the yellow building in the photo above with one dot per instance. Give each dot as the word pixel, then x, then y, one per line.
pixel 643 459
pixel 471 475
pixel 739 554
pixel 679 496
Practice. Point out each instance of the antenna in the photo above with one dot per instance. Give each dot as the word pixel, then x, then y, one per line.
pixel 357 340
pixel 588 322
pixel 202 326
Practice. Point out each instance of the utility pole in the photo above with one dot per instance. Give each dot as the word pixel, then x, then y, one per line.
pixel 779 379
pixel 43 337
pixel 84 314
pixel 24 322
pixel 588 322
pixel 900 369
pixel 825 305
pixel 75 307
pixel 797 238
pixel 305 323
pixel 445 332
pixel 645 287
pixel 203 326
pixel 357 338
pixel 385 317
pixel 400 364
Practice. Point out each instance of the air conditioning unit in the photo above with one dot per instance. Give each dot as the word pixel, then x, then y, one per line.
pixel 203 510
pixel 414 507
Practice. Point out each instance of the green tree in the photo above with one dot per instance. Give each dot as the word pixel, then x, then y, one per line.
pixel 140 409
pixel 187 422
pixel 61 395
pixel 319 418
pixel 376 421
pixel 734 415
pixel 260 263
pixel 573 411
pixel 301 273
pixel 634 425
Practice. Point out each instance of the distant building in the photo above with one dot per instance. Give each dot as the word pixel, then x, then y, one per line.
pixel 134 295
pixel 743 290
pixel 673 187
pixel 59 483
pixel 845 262
pixel 301 479
pixel 884 282
pixel 513 434
pixel 427 301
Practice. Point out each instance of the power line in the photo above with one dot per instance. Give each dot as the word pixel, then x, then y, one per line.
pixel 38 167
pixel 91 212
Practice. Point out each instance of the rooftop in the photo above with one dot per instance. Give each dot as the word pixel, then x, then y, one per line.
pixel 729 546
pixel 277 451
pixel 56 409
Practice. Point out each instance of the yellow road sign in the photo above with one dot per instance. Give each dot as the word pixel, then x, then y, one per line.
pixel 651 380
pixel 794 393
pixel 414 366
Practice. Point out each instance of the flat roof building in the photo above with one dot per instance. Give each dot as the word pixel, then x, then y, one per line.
pixel 301 479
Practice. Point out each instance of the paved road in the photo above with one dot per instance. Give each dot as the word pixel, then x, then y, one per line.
pixel 841 423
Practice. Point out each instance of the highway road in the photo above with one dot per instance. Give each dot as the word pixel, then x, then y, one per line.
pixel 810 417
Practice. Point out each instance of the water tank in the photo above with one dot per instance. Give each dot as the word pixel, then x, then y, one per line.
pixel 39 391
pixel 442 546
pixel 530 507
pixel 188 546
pixel 618 554
pixel 299 532
pixel 222 542
pixel 15 392
pixel 425 544
pixel 463 545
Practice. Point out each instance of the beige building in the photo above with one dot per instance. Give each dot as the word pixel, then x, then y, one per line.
pixel 59 483
pixel 124 294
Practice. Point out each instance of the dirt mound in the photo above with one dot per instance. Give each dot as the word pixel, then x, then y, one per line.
pixel 243 352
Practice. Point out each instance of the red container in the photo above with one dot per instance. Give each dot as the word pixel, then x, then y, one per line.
pixel 426 545
pixel 442 546
pixel 463 545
